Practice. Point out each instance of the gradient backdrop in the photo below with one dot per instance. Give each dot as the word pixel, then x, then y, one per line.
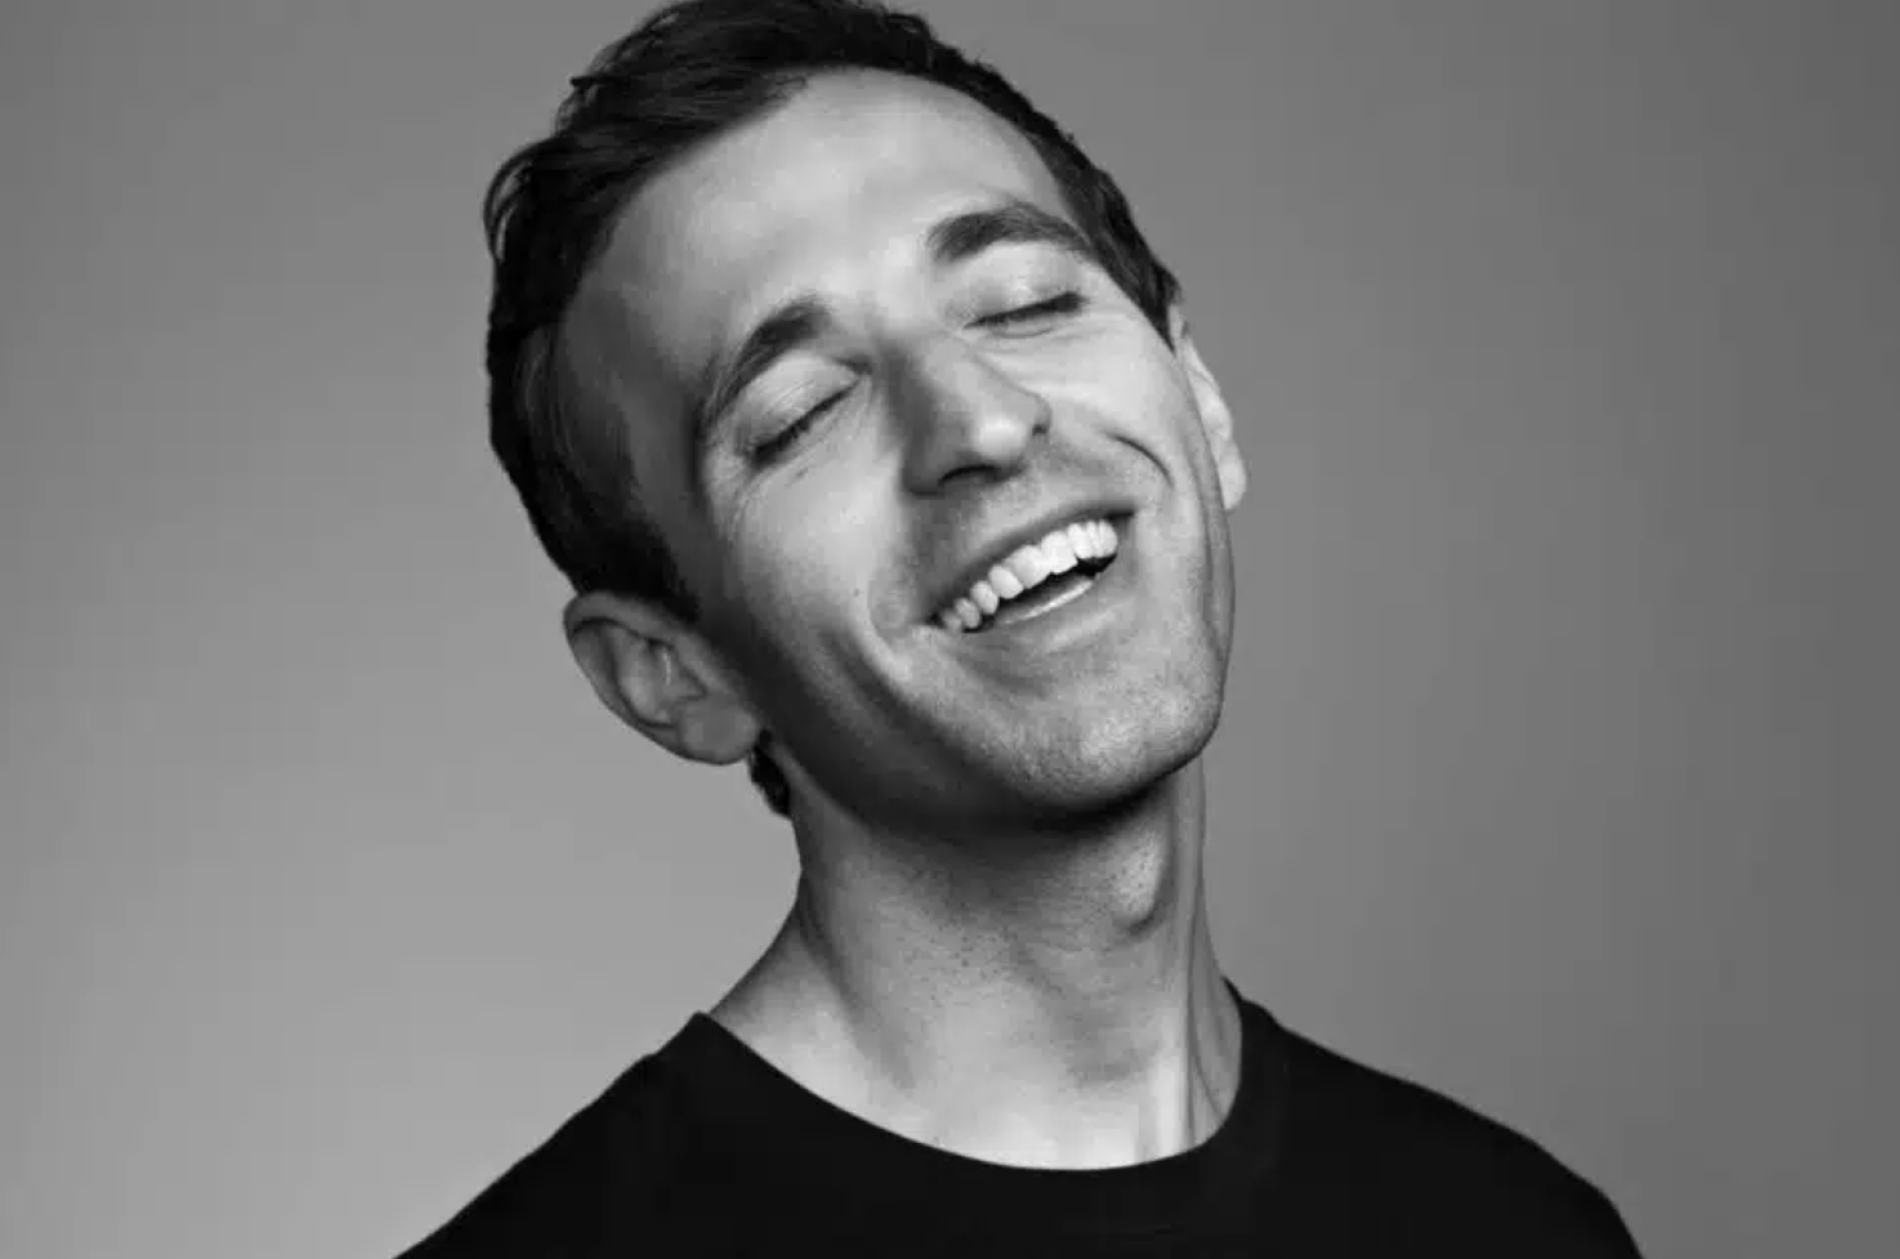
pixel 1558 768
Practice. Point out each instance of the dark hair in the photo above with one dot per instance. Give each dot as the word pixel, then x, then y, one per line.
pixel 688 73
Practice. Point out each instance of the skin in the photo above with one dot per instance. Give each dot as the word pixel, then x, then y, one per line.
pixel 998 943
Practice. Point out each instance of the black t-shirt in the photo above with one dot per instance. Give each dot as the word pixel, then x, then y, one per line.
pixel 705 1148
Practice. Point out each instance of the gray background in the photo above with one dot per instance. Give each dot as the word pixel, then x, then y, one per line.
pixel 1559 762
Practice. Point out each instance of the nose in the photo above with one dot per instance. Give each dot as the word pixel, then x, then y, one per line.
pixel 963 417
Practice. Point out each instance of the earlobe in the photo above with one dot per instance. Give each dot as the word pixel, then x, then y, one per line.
pixel 653 673
pixel 1216 420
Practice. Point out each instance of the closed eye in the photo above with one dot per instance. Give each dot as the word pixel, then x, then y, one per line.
pixel 1061 304
pixel 1022 320
pixel 769 449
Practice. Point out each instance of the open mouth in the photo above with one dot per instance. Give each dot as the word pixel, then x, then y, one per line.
pixel 1034 579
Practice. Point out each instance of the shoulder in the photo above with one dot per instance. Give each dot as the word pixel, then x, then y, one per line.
pixel 609 1166
pixel 1419 1165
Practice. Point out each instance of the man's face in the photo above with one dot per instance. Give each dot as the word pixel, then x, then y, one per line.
pixel 862 371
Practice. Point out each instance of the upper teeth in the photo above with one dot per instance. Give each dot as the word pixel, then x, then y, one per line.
pixel 1027 567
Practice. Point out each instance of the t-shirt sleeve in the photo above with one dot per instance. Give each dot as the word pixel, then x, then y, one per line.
pixel 1378 1164
pixel 603 1169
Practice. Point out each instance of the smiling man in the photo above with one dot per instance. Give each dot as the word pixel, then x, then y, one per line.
pixel 870 433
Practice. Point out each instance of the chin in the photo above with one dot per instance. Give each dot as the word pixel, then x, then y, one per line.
pixel 1113 761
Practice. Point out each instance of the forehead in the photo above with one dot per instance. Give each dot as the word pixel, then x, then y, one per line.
pixel 824 191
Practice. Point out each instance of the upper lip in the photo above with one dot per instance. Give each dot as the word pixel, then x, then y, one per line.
pixel 993 552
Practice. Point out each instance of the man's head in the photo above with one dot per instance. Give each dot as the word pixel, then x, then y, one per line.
pixel 803 324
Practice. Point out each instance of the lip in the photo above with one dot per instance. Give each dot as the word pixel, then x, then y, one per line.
pixel 1097 617
pixel 994 552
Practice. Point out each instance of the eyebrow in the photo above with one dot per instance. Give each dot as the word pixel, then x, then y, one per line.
pixel 1010 222
pixel 803 318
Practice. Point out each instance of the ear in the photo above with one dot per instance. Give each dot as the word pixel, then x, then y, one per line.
pixel 659 676
pixel 1216 419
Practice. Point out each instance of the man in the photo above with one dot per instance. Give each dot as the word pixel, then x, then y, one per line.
pixel 873 439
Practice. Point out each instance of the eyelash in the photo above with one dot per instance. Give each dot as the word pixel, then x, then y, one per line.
pixel 770 448
pixel 1061 304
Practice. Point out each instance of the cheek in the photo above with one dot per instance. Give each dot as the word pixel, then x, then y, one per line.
pixel 1148 392
pixel 806 546
pixel 1131 368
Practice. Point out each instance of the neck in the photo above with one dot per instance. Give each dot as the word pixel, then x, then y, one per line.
pixel 1059 1010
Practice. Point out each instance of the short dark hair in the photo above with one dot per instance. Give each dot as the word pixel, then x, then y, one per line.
pixel 687 74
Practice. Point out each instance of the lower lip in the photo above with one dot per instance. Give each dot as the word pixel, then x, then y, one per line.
pixel 1068 620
